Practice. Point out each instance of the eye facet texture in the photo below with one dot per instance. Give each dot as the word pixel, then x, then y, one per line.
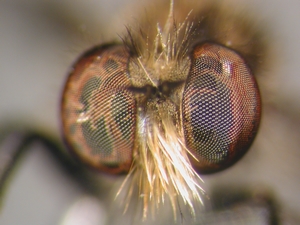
pixel 98 111
pixel 221 108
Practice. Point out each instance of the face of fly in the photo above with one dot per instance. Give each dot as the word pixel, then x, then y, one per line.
pixel 170 102
pixel 52 35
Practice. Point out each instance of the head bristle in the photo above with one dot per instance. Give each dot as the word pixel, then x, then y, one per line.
pixel 161 166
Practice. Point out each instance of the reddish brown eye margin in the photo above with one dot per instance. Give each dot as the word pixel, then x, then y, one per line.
pixel 98 112
pixel 221 108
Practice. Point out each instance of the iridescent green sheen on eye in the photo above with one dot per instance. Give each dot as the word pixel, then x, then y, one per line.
pixel 122 113
pixel 97 138
pixel 100 109
pixel 91 85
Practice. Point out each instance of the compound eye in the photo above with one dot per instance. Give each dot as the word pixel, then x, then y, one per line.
pixel 221 108
pixel 98 112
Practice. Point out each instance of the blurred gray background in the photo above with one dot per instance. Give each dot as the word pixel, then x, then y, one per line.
pixel 39 40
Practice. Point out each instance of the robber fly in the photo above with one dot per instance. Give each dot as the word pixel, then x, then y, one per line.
pixel 175 97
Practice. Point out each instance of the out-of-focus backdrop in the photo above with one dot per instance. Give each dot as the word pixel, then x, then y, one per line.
pixel 39 40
